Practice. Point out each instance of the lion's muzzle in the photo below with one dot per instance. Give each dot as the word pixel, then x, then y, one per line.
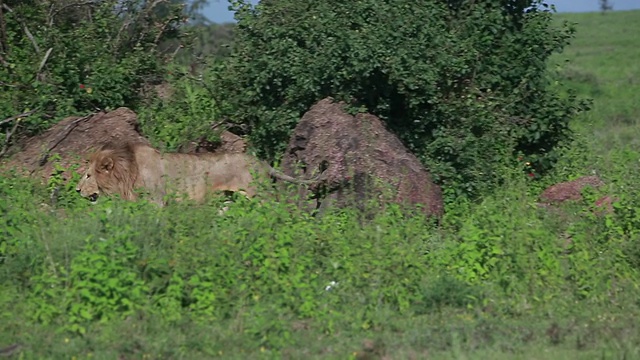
pixel 93 197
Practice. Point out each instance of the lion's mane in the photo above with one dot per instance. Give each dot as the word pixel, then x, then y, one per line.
pixel 122 177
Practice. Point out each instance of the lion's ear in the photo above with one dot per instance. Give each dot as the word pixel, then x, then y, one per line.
pixel 106 164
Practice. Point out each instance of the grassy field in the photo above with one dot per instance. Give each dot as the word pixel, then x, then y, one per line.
pixel 603 65
pixel 501 279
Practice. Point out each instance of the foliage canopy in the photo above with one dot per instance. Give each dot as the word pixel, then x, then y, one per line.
pixel 463 83
pixel 58 58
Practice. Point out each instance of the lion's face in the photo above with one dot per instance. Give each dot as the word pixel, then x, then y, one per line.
pixel 98 172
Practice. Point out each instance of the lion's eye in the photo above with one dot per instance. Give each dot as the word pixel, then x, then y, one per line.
pixel 88 176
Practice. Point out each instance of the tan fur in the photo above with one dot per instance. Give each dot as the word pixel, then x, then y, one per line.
pixel 122 168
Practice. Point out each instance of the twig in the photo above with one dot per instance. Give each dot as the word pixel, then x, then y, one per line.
pixel 4 45
pixel 10 350
pixel 8 135
pixel 26 30
pixel 54 13
pixel 145 13
pixel 44 61
pixel 10 119
pixel 175 52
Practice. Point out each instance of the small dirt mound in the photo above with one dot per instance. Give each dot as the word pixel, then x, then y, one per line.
pixel 569 190
pixel 572 191
pixel 357 153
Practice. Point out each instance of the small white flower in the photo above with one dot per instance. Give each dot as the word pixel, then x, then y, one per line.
pixel 331 285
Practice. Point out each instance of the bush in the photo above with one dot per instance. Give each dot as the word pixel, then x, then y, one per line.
pixel 62 59
pixel 462 83
pixel 187 115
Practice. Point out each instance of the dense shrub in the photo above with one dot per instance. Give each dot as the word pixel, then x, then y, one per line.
pixel 187 114
pixel 64 58
pixel 462 83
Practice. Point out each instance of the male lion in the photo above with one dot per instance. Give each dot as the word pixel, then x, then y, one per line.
pixel 120 168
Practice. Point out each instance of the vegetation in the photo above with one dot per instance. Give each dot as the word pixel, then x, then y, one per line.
pixel 462 83
pixel 59 60
pixel 498 278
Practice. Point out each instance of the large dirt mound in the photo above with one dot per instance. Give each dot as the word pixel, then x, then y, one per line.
pixel 355 152
pixel 73 138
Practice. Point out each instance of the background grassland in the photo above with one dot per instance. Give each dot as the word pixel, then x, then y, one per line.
pixel 603 65
pixel 500 279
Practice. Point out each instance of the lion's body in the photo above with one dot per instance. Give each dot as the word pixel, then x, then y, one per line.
pixel 120 169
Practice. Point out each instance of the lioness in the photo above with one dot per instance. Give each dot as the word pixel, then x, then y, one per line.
pixel 120 168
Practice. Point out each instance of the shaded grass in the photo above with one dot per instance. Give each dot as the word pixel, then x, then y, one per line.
pixel 448 335
pixel 496 281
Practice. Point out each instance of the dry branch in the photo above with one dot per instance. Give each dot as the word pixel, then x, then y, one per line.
pixel 25 29
pixel 44 61
pixel 8 136
pixel 53 14
pixel 4 45
pixel 10 133
pixel 14 117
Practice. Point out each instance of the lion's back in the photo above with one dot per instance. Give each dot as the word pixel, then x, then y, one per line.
pixel 150 169
pixel 196 174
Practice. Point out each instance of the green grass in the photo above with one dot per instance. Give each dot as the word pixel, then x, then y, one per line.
pixel 602 64
pixel 501 279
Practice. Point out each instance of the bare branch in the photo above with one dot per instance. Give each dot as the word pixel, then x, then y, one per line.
pixel 129 20
pixel 50 16
pixel 3 62
pixel 146 13
pixel 25 29
pixel 173 55
pixel 14 117
pixel 8 136
pixel 44 61
pixel 125 25
pixel 10 350
pixel 54 13
pixel 4 45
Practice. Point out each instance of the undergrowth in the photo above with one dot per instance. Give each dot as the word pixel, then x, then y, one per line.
pixel 263 278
